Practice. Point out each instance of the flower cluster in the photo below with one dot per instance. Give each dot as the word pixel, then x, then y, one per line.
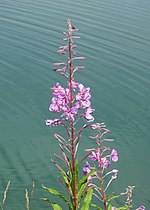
pixel 61 103
pixel 105 163
pixel 104 156
pixel 72 102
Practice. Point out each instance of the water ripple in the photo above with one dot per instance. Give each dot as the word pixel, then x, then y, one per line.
pixel 115 40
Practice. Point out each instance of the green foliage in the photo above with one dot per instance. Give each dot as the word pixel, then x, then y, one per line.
pixel 67 182
pixel 87 199
pixel 113 197
pixel 84 178
pixel 56 206
pixel 81 190
pixel 55 192
pixel 119 208
pixel 123 208
pixel 97 207
pixel 109 207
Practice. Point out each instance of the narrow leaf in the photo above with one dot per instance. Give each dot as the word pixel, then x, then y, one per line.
pixel 87 199
pixel 113 197
pixel 97 207
pixel 84 178
pixel 76 170
pixel 66 179
pixel 55 192
pixel 56 206
pixel 123 208
pixel 109 207
pixel 68 184
pixel 80 192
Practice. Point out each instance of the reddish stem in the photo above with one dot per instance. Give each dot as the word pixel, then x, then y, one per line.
pixel 101 170
pixel 72 124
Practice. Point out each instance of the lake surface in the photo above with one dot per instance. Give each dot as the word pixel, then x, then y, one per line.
pixel 115 39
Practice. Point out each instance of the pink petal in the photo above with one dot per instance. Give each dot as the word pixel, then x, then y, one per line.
pixel 64 68
pixel 61 51
pixel 64 47
pixel 78 67
pixel 80 86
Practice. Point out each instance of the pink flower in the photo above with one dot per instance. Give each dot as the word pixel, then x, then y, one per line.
pixel 87 168
pixel 141 208
pixel 60 99
pixel 88 115
pixel 54 107
pixel 114 155
pixel 69 113
pixel 57 90
pixel 105 163
pixel 95 156
pixel 83 97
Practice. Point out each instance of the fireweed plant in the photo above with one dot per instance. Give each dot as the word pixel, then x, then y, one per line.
pixel 72 104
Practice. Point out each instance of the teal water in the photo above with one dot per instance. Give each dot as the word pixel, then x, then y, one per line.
pixel 115 39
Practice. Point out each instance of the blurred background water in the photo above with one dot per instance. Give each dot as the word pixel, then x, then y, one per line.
pixel 115 39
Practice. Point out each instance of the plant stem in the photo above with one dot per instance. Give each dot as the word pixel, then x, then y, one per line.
pixel 72 123
pixel 101 169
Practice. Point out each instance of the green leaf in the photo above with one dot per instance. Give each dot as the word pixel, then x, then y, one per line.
pixel 80 192
pixel 66 179
pixel 113 197
pixel 67 182
pixel 123 208
pixel 109 207
pixel 55 192
pixel 56 206
pixel 84 178
pixel 97 207
pixel 76 170
pixel 87 199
